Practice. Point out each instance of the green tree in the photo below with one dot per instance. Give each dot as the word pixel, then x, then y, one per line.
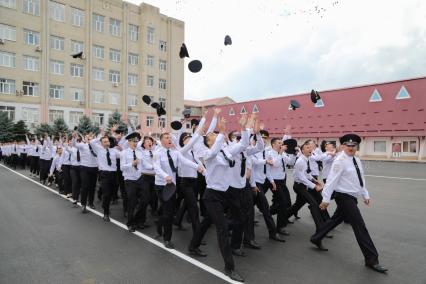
pixel 19 130
pixel 60 127
pixel 6 127
pixel 85 126
pixel 115 118
pixel 42 129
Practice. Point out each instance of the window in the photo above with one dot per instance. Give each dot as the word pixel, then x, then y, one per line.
pixel 114 55
pixel 75 117
pixel 7 86
pixel 133 119
pixel 380 146
pixel 98 51
pixel 9 110
pixel 7 59
pixel 98 118
pixel 149 121
pixel 98 23
pixel 98 74
pixel 31 63
pixel 7 32
pixel 231 111
pixel 77 46
pixel 162 102
pixel 98 97
pixel 403 94
pixel 76 70
pixel 132 79
pixel 162 122
pixel 31 37
pixel 115 98
pixel 114 76
pixel 133 32
pixel 133 59
pixel 163 65
pixel 409 147
pixel 8 4
pixel 57 67
pixel 30 88
pixel 131 100
pixel 375 96
pixel 31 7
pixel 150 35
pixel 77 17
pixel 77 95
pixel 57 11
pixel 243 110
pixel 56 92
pixel 150 81
pixel 55 114
pixel 163 46
pixel 255 109
pixel 150 60
pixel 114 27
pixel 57 43
pixel 319 103
pixel 30 115
pixel 162 84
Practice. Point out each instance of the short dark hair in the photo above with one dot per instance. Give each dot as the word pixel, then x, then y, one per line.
pixel 304 144
pixel 105 137
pixel 147 138
pixel 164 134
pixel 273 140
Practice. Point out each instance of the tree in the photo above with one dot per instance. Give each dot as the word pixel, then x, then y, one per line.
pixel 115 118
pixel 60 127
pixel 6 127
pixel 42 129
pixel 19 130
pixel 85 126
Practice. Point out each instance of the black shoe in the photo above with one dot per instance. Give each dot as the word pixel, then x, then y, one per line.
pixel 377 267
pixel 84 211
pixel 283 232
pixel 203 243
pixel 234 275
pixel 92 206
pixel 277 238
pixel 106 218
pixel 181 228
pixel 318 244
pixel 169 245
pixel 290 222
pixel 296 217
pixel 238 252
pixel 329 236
pixel 197 252
pixel 132 229
pixel 252 244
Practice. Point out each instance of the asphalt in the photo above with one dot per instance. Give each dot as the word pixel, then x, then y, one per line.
pixel 44 240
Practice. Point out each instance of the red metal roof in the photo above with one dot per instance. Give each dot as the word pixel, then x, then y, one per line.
pixel 345 110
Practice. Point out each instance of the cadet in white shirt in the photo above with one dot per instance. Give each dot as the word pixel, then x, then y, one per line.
pixel 148 174
pixel 56 169
pixel 346 179
pixel 45 158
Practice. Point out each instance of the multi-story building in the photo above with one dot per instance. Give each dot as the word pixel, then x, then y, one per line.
pixel 128 51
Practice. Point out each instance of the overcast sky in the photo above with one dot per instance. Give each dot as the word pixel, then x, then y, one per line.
pixel 285 47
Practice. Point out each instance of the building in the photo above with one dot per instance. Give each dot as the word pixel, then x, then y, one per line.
pixel 390 117
pixel 128 51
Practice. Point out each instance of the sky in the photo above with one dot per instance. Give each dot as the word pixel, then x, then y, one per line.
pixel 286 47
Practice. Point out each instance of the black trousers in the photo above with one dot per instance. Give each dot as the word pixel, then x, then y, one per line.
pixel 189 191
pixel 23 160
pixel 263 206
pixel 234 205
pixel 247 209
pixel 89 177
pixel 307 196
pixel 66 173
pixel 108 182
pixel 282 197
pixel 201 188
pixel 14 159
pixel 59 180
pixel 165 222
pixel 121 186
pixel 347 209
pixel 137 201
pixel 75 181
pixel 34 165
pixel 44 169
pixel 148 184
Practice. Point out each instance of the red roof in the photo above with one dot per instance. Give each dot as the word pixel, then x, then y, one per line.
pixel 205 103
pixel 345 110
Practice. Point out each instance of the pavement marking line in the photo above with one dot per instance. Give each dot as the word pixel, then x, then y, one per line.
pixel 153 241
pixel 403 178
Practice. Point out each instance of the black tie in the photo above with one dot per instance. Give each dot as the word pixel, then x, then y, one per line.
pixel 37 149
pixel 91 151
pixel 282 161
pixel 309 168
pixel 231 162
pixel 15 148
pixel 69 156
pixel 78 156
pixel 172 165
pixel 134 159
pixel 193 157
pixel 243 164
pixel 358 172
pixel 108 157
pixel 264 166
pixel 150 154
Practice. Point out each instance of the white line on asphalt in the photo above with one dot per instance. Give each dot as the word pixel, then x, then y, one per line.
pixel 183 256
pixel 404 178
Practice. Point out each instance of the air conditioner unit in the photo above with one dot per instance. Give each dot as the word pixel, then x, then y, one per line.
pixel 2 41
pixel 38 48
pixel 115 84
pixel 83 56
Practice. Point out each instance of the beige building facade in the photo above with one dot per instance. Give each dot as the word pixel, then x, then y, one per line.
pixel 128 51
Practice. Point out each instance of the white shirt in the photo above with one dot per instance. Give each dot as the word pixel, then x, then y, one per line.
pixel 279 161
pixel 56 164
pixel 126 164
pixel 259 166
pixel 327 161
pixel 101 153
pixel 343 178
pixel 188 153
pixel 300 172
pixel 86 156
pixel 46 150
pixel 148 162
pixel 217 167
pixel 315 157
